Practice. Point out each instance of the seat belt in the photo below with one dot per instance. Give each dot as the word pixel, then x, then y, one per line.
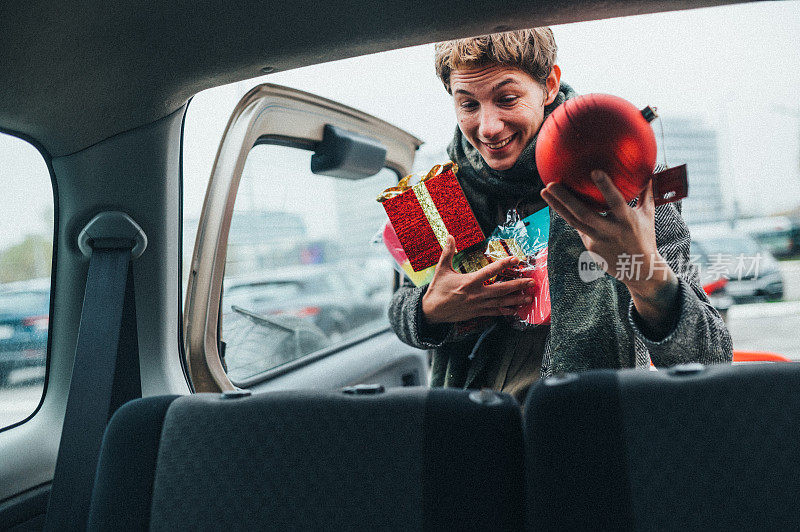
pixel 105 373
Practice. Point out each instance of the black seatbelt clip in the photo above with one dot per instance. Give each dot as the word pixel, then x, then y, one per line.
pixel 112 230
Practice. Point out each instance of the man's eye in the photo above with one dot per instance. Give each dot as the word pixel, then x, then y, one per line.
pixel 469 106
pixel 507 100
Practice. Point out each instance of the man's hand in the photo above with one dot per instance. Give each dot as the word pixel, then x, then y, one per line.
pixel 454 297
pixel 626 240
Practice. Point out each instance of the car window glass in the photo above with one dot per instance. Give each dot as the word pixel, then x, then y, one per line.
pixel 26 248
pixel 258 292
pixel 297 242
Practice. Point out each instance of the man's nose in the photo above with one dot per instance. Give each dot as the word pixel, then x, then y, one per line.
pixel 491 125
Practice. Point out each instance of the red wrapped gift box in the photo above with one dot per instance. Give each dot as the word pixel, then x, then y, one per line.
pixel 425 213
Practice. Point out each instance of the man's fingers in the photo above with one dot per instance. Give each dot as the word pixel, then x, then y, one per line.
pixel 579 209
pixel 569 216
pixel 513 300
pixel 614 198
pixel 508 287
pixel 646 197
pixel 487 272
pixel 448 252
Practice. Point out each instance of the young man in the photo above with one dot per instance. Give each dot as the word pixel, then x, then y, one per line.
pixel 504 86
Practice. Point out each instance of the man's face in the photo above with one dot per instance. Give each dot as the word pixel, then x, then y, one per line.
pixel 499 110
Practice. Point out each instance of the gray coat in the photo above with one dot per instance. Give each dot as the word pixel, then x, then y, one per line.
pixel 699 334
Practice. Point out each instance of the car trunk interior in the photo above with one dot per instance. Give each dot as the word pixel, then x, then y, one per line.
pixel 101 89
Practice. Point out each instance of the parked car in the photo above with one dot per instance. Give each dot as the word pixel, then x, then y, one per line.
pixel 777 234
pixel 24 319
pixel 752 271
pixel 274 318
pixel 717 293
pixel 320 294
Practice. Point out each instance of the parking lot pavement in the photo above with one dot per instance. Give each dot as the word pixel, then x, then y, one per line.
pixel 790 270
pixel 773 327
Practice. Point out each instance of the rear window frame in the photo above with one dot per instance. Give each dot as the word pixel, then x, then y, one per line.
pixel 48 160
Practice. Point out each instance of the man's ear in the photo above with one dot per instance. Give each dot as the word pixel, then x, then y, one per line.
pixel 552 84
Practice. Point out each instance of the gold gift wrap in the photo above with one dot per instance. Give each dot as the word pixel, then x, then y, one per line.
pixel 497 249
pixel 471 261
pixel 502 248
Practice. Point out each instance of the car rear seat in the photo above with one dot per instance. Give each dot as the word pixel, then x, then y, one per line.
pixel 691 448
pixel 405 459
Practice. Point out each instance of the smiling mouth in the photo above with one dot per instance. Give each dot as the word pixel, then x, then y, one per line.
pixel 501 144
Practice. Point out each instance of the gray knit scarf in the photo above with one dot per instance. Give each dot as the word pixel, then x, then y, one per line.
pixel 589 327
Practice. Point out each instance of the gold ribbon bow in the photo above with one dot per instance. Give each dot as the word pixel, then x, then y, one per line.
pixel 403 185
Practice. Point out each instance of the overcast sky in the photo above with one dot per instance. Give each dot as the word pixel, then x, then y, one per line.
pixel 737 68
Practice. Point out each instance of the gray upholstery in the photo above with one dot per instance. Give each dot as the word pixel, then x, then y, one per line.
pixel 722 447
pixel 290 462
pixel 126 468
pixel 713 450
pixel 406 459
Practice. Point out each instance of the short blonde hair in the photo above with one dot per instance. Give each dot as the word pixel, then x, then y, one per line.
pixel 533 51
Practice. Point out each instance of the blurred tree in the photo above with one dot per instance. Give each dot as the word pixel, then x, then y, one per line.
pixel 29 259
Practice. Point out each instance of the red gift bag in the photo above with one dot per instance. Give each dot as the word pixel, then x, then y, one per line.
pixel 537 312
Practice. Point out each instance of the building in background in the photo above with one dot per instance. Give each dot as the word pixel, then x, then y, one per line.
pixel 687 141
pixel 359 215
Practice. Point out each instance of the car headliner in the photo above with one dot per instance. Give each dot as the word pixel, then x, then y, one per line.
pixel 76 73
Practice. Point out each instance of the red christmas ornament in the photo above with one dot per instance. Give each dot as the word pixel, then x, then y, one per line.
pixel 597 132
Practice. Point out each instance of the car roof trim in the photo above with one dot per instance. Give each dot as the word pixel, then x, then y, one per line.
pixel 76 75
